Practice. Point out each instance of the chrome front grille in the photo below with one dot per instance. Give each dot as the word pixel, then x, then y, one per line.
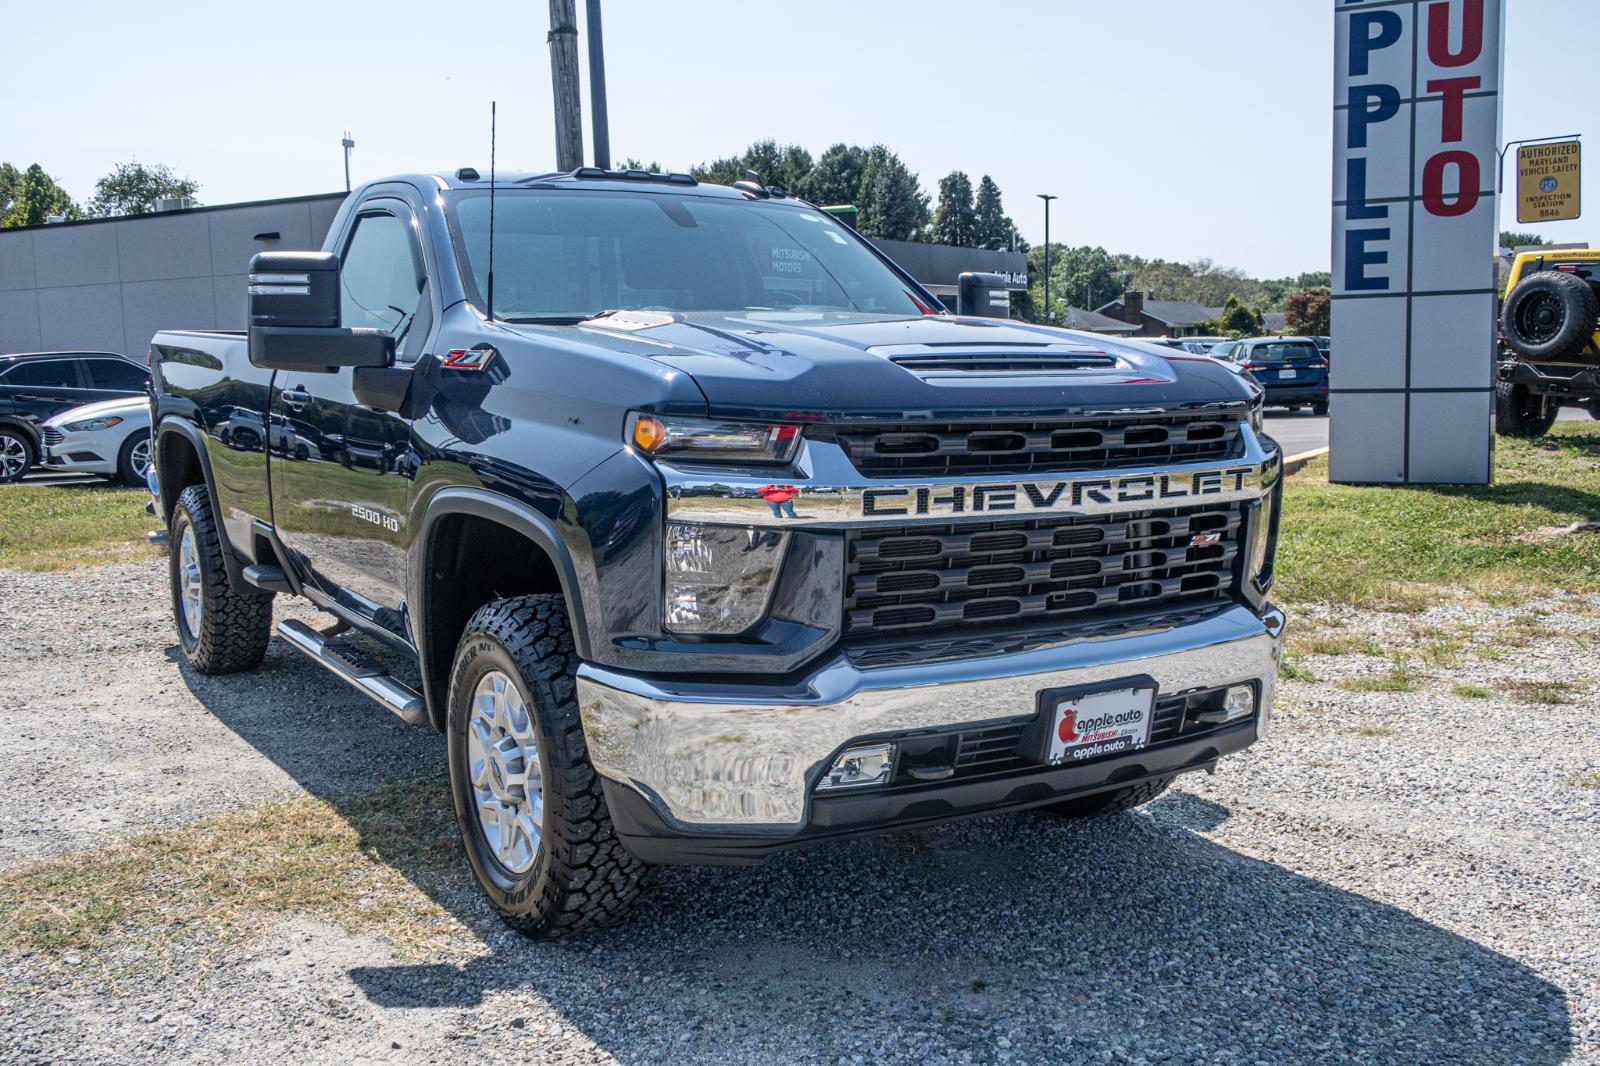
pixel 933 449
pixel 981 575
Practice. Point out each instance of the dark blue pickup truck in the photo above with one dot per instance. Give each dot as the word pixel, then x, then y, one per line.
pixel 702 530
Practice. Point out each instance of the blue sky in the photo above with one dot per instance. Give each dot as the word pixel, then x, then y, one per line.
pixel 1168 128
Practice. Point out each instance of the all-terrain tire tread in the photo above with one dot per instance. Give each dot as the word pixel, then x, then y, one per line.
pixel 235 627
pixel 589 879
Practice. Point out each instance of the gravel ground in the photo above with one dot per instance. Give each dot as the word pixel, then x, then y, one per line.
pixel 1395 876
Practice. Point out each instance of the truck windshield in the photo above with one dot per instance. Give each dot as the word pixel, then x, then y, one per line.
pixel 570 254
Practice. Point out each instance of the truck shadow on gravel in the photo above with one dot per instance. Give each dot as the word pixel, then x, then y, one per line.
pixel 1015 936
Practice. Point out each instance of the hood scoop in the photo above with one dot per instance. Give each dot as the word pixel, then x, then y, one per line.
pixel 968 363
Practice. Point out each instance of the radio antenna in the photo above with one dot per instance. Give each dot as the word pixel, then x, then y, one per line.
pixel 490 298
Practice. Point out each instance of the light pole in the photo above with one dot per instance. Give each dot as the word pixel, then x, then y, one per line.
pixel 1046 197
pixel 347 144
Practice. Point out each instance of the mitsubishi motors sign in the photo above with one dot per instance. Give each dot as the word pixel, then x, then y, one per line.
pixel 1416 138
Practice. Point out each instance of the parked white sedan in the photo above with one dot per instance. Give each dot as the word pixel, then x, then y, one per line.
pixel 110 437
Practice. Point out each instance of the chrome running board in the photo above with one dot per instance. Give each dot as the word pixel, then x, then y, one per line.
pixel 360 670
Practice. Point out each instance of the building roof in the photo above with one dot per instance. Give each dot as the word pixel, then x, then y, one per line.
pixel 1167 312
pixel 1094 322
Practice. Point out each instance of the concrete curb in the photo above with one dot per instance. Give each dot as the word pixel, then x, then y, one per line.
pixel 1293 463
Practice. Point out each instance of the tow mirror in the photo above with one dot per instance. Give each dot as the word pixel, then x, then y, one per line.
pixel 982 295
pixel 294 317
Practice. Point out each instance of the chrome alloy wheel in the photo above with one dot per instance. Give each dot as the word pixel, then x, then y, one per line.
pixel 13 457
pixel 139 457
pixel 503 760
pixel 189 591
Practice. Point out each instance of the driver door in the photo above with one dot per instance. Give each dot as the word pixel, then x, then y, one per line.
pixel 340 497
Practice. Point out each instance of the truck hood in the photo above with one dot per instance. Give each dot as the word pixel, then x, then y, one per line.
pixel 843 367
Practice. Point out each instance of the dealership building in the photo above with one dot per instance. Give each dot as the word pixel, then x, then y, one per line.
pixel 109 284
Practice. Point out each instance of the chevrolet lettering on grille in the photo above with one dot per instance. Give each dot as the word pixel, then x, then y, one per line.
pixel 1073 494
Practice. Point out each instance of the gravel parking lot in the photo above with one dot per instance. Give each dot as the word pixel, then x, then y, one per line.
pixel 1406 871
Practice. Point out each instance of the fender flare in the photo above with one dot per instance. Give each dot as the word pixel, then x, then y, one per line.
pixel 28 430
pixel 169 426
pixel 513 514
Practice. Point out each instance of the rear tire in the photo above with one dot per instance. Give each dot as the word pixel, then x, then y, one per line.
pixel 1593 407
pixel 1320 408
pixel 1520 413
pixel 16 455
pixel 1123 799
pixel 1549 315
pixel 544 851
pixel 221 630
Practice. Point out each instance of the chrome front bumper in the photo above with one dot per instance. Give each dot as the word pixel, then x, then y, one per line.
pixel 747 756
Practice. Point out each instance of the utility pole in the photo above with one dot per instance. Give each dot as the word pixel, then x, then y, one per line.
pixel 597 86
pixel 563 38
pixel 347 144
pixel 1049 316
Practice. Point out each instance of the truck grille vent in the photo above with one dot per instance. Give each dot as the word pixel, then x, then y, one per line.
pixel 1055 446
pixel 53 436
pixel 922 578
pixel 998 748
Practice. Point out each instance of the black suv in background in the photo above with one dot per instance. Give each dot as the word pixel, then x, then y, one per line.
pixel 35 386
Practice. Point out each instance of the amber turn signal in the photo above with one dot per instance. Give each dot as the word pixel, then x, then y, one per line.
pixel 649 433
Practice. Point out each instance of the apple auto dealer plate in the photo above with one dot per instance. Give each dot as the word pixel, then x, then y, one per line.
pixel 1086 724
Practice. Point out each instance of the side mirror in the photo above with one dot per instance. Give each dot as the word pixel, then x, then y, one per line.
pixel 982 295
pixel 294 317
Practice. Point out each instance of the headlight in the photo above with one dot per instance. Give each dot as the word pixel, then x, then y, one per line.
pixel 710 440
pixel 719 578
pixel 93 425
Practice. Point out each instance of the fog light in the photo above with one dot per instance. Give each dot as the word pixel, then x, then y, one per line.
pixel 719 578
pixel 1238 702
pixel 869 764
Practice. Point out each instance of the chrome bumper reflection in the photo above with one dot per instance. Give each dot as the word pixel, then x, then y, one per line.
pixel 710 755
pixel 827 490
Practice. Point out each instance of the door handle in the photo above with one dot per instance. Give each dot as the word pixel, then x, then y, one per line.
pixel 295 397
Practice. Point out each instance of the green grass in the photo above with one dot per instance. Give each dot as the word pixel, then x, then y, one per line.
pixel 1397 548
pixel 1373 730
pixel 1550 693
pixel 361 864
pixel 63 527
pixel 1471 692
pixel 1294 671
pixel 1400 679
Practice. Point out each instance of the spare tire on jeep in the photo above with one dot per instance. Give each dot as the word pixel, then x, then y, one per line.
pixel 1550 314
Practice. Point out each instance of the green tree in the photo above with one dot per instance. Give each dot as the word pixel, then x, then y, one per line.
pixel 1237 320
pixel 1516 239
pixel 893 205
pixel 954 221
pixel 631 163
pixel 991 227
pixel 836 179
pixel 28 197
pixel 133 189
pixel 784 165
pixel 1310 311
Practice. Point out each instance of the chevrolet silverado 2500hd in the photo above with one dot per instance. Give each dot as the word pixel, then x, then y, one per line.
pixel 702 531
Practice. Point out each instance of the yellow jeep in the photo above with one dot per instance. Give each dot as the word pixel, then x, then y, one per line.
pixel 1550 325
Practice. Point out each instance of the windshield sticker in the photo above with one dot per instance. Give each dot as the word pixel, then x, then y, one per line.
pixel 789 260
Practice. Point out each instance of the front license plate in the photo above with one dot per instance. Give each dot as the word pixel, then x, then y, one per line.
pixel 1286 375
pixel 1086 724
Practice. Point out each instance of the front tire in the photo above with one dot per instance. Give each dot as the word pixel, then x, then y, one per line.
pixel 1122 799
pixel 133 461
pixel 1521 413
pixel 16 455
pixel 221 630
pixel 528 801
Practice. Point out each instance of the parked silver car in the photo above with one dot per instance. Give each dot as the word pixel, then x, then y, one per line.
pixel 110 437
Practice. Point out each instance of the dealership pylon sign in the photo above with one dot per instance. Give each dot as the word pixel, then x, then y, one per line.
pixel 1416 139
